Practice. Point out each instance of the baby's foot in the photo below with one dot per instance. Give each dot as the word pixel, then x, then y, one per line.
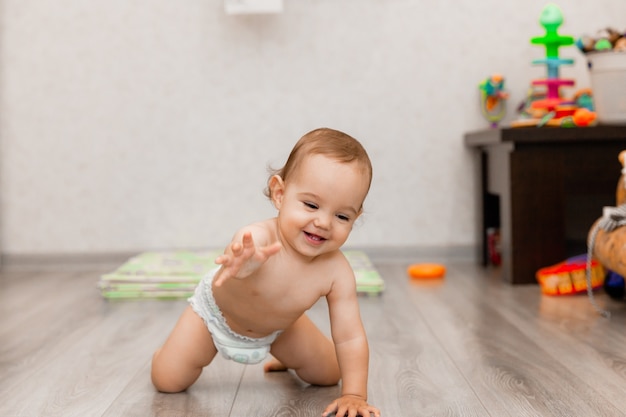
pixel 274 365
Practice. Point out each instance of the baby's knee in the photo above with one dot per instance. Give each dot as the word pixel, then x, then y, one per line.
pixel 166 386
pixel 172 377
pixel 322 376
pixel 329 380
pixel 162 379
pixel 322 380
pixel 165 383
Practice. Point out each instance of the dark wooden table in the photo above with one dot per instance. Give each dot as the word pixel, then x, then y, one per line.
pixel 543 188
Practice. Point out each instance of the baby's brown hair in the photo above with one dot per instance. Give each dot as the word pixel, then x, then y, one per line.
pixel 328 142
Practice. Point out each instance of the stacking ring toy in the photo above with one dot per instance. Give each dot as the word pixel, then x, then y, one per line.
pixel 426 271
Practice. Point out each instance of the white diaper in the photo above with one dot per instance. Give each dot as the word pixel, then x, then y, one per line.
pixel 231 345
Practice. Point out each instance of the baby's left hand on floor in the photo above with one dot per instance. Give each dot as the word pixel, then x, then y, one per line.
pixel 351 406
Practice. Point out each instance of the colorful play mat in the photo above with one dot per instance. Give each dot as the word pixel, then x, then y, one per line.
pixel 175 274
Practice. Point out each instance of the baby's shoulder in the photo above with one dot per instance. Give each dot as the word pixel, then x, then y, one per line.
pixel 263 231
pixel 264 225
pixel 340 277
pixel 336 265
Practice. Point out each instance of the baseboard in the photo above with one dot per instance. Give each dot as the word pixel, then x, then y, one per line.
pixel 413 254
pixel 63 261
pixel 382 254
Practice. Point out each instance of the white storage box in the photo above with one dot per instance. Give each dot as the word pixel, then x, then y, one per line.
pixel 608 82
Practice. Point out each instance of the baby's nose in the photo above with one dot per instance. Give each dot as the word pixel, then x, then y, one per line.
pixel 322 221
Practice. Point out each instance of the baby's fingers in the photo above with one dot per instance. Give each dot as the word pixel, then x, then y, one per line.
pixel 332 407
pixel 237 248
pixel 222 260
pixel 247 240
pixel 367 411
pixel 221 276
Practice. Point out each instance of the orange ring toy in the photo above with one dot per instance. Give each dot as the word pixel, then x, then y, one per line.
pixel 426 271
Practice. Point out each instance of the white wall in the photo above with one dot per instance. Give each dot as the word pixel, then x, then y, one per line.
pixel 132 125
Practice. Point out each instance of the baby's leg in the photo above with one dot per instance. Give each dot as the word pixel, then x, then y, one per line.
pixel 305 349
pixel 187 350
pixel 274 365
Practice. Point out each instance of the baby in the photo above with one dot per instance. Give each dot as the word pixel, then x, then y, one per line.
pixel 273 271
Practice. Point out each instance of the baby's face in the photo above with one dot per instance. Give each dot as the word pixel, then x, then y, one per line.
pixel 320 204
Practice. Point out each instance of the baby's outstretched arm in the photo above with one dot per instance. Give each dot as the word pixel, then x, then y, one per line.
pixel 241 259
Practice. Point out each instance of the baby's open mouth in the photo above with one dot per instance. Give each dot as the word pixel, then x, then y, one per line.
pixel 313 237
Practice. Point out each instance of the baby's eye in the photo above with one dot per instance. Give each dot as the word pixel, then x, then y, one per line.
pixel 310 205
pixel 343 217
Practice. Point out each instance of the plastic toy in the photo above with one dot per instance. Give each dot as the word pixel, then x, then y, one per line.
pixel 569 277
pixel 584 117
pixel 426 271
pixel 620 45
pixel 551 18
pixel 603 45
pixel 492 99
pixel 605 40
pixel 526 109
pixel 584 99
pixel 547 107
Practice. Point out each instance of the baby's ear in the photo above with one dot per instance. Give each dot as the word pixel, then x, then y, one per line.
pixel 277 190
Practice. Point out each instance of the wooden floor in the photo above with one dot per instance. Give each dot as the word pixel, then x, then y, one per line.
pixel 466 346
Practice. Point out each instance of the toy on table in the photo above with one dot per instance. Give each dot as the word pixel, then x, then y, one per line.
pixel 551 18
pixel 584 117
pixel 547 107
pixel 426 271
pixel 608 39
pixel 492 99
pixel 584 99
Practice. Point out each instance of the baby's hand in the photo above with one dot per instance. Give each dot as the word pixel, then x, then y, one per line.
pixel 352 406
pixel 242 259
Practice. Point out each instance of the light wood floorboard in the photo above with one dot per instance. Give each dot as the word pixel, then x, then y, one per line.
pixel 468 345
